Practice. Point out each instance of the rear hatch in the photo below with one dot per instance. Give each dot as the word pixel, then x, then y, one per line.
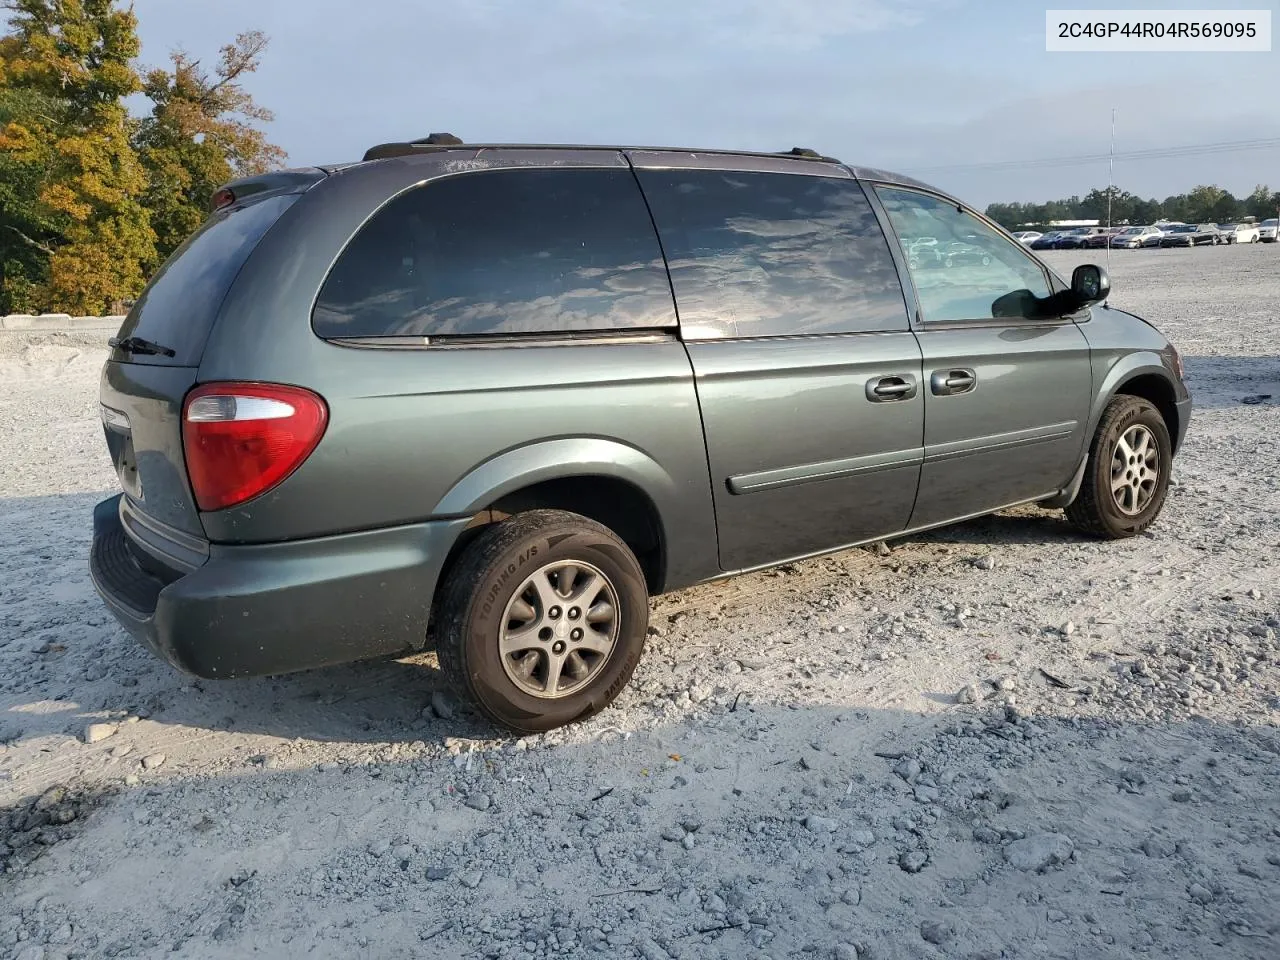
pixel 155 359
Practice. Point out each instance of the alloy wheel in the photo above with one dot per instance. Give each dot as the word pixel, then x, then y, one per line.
pixel 559 629
pixel 1135 470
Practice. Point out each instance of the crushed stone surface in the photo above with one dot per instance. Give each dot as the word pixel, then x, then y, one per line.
pixel 995 740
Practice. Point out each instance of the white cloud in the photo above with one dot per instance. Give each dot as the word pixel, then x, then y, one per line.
pixel 756 25
pixel 802 24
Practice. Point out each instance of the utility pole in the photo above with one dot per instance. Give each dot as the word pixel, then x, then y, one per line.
pixel 1111 184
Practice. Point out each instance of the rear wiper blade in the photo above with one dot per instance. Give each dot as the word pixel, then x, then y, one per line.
pixel 139 345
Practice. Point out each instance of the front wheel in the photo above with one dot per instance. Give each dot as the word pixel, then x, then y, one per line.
pixel 1127 475
pixel 543 620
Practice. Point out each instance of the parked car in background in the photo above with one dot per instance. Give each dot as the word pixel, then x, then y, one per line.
pixel 1267 230
pixel 1099 240
pixel 1190 235
pixel 1027 236
pixel 922 252
pixel 1238 232
pixel 1046 241
pixel 424 401
pixel 960 252
pixel 1134 237
pixel 1073 239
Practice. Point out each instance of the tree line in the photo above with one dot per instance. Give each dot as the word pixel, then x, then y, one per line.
pixel 1204 204
pixel 92 197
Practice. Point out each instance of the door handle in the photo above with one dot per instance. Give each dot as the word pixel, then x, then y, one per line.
pixel 949 383
pixel 888 389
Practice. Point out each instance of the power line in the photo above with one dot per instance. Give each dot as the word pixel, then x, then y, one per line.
pixel 1155 153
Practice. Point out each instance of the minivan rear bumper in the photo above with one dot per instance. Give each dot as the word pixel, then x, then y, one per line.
pixel 259 609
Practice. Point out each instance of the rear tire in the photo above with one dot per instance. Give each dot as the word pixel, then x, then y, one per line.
pixel 543 620
pixel 1126 478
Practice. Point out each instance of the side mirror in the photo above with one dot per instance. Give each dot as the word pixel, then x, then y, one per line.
pixel 1016 304
pixel 1090 284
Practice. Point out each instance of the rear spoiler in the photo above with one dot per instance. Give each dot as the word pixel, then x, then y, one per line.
pixel 277 181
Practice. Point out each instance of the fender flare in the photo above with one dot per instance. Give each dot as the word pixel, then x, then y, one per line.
pixel 1140 364
pixel 545 460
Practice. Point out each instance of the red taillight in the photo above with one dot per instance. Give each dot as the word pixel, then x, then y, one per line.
pixel 241 439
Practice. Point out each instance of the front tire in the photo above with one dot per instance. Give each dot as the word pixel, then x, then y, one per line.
pixel 543 620
pixel 1127 475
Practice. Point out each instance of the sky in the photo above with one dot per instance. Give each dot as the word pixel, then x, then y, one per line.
pixel 929 87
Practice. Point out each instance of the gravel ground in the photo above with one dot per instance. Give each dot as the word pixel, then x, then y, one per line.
pixel 996 740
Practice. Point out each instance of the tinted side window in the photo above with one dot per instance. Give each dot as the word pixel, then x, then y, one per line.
pixel 502 252
pixel 773 254
pixel 962 268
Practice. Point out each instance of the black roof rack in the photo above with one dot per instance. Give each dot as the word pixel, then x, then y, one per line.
pixel 447 141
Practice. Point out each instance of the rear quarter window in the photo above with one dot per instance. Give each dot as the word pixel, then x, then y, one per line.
pixel 503 252
pixel 180 304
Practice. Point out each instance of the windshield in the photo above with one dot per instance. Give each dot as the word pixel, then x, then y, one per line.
pixel 1131 231
pixel 1182 229
pixel 1271 223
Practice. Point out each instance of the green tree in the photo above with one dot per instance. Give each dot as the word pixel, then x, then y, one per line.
pixel 1094 206
pixel 72 60
pixel 1204 204
pixel 1177 207
pixel 1145 212
pixel 199 135
pixel 1262 203
pixel 1209 204
pixel 26 232
pixel 1008 215
pixel 1226 209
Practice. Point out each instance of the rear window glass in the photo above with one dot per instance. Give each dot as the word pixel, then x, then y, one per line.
pixel 773 254
pixel 180 304
pixel 504 252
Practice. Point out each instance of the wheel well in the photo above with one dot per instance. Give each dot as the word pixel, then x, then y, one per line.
pixel 621 506
pixel 1159 392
